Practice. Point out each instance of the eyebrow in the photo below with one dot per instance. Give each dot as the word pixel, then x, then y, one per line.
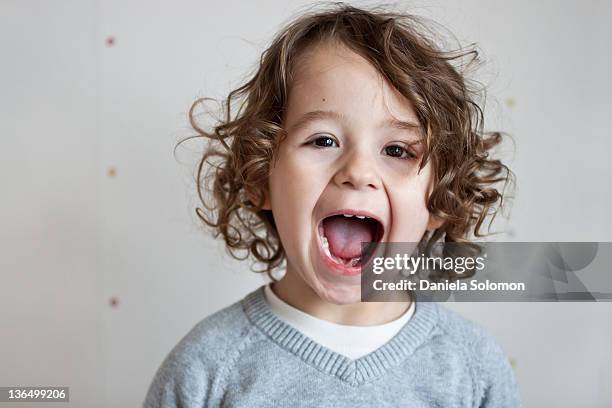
pixel 313 116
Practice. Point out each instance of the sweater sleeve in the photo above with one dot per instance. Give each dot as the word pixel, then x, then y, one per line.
pixel 183 380
pixel 498 386
pixel 193 374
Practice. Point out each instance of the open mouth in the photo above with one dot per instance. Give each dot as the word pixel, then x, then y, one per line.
pixel 341 237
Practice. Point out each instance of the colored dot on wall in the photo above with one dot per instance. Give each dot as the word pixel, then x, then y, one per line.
pixel 513 363
pixel 110 41
pixel 510 102
pixel 112 172
pixel 114 301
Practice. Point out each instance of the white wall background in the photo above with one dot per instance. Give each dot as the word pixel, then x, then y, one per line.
pixel 74 111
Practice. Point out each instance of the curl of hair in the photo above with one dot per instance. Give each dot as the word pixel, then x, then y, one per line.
pixel 403 50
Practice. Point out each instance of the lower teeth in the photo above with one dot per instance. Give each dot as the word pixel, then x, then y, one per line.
pixel 351 263
pixel 354 261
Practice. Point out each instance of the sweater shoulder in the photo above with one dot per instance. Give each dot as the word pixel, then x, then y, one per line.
pixel 463 332
pixel 478 344
pixel 214 336
pixel 494 377
pixel 192 373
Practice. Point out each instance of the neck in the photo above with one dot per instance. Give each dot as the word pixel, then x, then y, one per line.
pixel 295 292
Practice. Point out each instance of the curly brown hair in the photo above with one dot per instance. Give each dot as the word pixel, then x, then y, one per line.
pixel 402 48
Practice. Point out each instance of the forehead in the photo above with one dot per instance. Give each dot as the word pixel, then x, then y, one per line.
pixel 330 77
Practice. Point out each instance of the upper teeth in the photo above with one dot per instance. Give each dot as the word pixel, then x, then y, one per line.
pixel 351 215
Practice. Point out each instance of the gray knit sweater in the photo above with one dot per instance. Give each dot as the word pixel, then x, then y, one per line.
pixel 245 356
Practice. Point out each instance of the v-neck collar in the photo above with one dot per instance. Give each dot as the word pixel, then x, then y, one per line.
pixel 353 372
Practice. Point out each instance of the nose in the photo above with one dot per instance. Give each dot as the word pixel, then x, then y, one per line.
pixel 358 172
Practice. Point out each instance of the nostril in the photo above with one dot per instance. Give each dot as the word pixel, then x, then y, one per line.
pixel 354 185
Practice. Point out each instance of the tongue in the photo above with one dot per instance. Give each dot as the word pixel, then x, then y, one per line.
pixel 345 235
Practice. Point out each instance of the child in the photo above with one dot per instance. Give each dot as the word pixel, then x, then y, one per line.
pixel 355 128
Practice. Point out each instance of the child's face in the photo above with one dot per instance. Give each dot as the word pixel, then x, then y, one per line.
pixel 357 163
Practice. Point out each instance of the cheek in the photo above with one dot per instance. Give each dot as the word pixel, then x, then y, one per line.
pixel 409 210
pixel 295 187
pixel 296 180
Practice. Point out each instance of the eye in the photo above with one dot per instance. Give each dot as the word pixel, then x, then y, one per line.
pixel 323 141
pixel 399 152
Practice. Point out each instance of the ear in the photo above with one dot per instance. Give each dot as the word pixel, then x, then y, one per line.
pixel 253 198
pixel 434 222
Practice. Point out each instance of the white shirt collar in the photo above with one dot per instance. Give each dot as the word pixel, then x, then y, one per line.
pixel 351 341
